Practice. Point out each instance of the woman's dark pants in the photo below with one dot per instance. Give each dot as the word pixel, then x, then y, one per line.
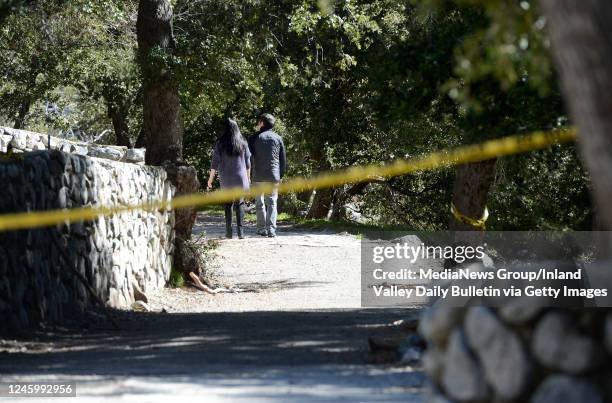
pixel 238 207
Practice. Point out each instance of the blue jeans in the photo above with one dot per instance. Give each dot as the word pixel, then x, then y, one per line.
pixel 265 206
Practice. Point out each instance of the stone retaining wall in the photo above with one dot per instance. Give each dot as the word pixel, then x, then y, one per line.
pixel 117 255
pixel 523 354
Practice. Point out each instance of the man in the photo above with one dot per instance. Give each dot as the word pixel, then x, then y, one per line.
pixel 268 165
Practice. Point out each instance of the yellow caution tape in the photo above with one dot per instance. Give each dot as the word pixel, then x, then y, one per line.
pixel 479 224
pixel 461 155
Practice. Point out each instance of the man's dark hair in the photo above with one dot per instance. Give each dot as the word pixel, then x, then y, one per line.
pixel 267 119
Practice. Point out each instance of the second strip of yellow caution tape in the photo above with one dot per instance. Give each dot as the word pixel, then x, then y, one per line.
pixel 461 155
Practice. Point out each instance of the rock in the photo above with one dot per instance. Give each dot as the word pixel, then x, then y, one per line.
pixel 5 140
pixel 135 155
pixel 506 364
pixel 109 153
pixel 565 389
pixel 19 140
pixel 80 149
pixel 140 306
pixel 52 142
pixel 462 378
pixel 520 310
pixel 433 364
pixel 39 146
pixel 558 345
pixel 609 332
pixel 438 321
pixel 139 295
pixel 31 140
pixel 64 146
pixel 114 298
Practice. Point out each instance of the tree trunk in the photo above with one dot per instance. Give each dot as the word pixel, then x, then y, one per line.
pixel 119 120
pixel 470 192
pixel 581 39
pixel 472 184
pixel 162 123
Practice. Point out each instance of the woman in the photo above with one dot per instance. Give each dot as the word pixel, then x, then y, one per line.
pixel 232 159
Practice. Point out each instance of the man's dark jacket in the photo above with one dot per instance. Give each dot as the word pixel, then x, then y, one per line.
pixel 268 162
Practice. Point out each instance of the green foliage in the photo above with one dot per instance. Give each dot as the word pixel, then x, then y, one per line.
pixel 176 279
pixel 351 82
pixel 75 55
pixel 547 190
pixel 8 7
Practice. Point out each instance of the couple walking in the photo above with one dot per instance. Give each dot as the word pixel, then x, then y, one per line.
pixel 261 159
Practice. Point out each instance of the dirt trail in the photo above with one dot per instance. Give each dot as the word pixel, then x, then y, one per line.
pixel 299 269
pixel 302 337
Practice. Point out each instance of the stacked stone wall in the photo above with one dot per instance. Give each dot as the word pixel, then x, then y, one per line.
pixel 41 270
pixel 518 354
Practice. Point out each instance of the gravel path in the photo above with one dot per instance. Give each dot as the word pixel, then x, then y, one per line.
pixel 298 336
pixel 295 271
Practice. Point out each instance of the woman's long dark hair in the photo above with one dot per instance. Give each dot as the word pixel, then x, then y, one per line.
pixel 231 141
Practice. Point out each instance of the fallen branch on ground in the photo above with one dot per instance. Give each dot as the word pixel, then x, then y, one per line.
pixel 200 285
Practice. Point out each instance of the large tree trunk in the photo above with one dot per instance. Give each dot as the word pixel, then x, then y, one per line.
pixel 162 123
pixel 472 184
pixel 470 192
pixel 119 120
pixel 581 37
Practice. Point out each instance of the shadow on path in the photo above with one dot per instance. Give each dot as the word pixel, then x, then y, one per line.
pixel 157 343
pixel 222 357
